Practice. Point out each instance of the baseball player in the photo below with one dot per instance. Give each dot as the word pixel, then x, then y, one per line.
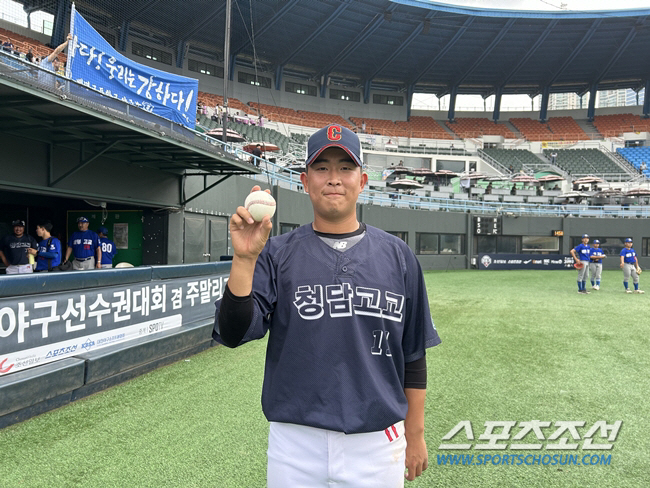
pixel 85 246
pixel 596 264
pixel 108 248
pixel 630 266
pixel 48 255
pixel 581 253
pixel 13 250
pixel 346 308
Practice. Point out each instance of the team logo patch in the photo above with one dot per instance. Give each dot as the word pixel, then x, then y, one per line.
pixel 486 261
pixel 334 133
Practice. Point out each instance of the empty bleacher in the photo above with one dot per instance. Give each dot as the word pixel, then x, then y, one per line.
pixel 532 130
pixel 635 156
pixel 615 125
pixel 212 100
pixel 584 161
pixel 556 129
pixel 379 127
pixel 424 128
pixel 318 120
pixel 470 127
pixel 513 159
pixel 566 129
pixel 278 114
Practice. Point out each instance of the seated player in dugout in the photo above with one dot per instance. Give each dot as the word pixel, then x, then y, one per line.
pixel 346 308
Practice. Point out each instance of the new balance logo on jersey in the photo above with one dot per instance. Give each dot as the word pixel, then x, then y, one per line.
pixel 340 245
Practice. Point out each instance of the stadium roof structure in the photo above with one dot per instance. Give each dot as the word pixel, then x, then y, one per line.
pixel 404 45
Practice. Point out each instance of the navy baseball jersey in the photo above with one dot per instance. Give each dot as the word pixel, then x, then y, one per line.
pixel 341 325
pixel 108 250
pixel 49 256
pixel 83 244
pixel 15 248
pixel 629 255
pixel 596 251
pixel 583 252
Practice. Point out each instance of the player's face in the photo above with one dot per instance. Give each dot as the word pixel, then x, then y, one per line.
pixel 585 241
pixel 596 245
pixel 83 226
pixel 628 244
pixel 19 230
pixel 39 231
pixel 334 183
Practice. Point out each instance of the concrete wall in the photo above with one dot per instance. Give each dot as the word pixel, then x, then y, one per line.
pixel 294 207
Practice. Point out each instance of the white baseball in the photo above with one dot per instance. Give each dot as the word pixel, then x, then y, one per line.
pixel 259 203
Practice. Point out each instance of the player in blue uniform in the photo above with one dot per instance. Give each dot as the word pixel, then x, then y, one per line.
pixel 49 251
pixel 108 248
pixel 581 253
pixel 84 244
pixel 346 308
pixel 630 266
pixel 596 265
pixel 14 250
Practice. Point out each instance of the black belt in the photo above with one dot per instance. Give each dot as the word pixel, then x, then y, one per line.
pixel 84 259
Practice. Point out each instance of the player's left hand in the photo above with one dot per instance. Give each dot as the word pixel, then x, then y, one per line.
pixel 417 457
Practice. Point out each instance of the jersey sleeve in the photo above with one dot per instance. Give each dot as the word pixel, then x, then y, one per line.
pixel 264 299
pixel 419 330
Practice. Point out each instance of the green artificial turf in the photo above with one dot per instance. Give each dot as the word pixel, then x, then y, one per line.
pixel 517 346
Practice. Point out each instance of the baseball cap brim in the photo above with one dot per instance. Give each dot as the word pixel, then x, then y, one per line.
pixel 314 156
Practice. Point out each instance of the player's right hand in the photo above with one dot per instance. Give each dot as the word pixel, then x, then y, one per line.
pixel 248 237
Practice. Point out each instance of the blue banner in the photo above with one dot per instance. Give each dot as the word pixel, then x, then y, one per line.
pixel 94 63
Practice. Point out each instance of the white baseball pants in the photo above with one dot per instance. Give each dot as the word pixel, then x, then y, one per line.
pixel 308 457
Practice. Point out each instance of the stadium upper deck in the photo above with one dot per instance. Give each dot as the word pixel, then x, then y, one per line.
pixel 399 45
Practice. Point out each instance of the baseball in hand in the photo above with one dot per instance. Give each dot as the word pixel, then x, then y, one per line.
pixel 259 203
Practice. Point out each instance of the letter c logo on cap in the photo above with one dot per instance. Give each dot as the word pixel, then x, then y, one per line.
pixel 334 133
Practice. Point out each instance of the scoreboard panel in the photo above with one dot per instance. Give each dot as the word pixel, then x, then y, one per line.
pixel 487 226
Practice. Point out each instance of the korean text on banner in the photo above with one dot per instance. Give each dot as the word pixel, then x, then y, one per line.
pixel 95 64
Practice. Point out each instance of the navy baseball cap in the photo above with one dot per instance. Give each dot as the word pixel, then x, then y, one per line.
pixel 596 241
pixel 102 230
pixel 333 135
pixel 585 236
pixel 82 219
pixel 628 239
pixel 18 223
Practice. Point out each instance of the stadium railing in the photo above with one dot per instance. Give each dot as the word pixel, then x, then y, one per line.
pixel 13 69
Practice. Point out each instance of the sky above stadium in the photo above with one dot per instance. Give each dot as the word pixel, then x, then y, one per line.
pixel 555 5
